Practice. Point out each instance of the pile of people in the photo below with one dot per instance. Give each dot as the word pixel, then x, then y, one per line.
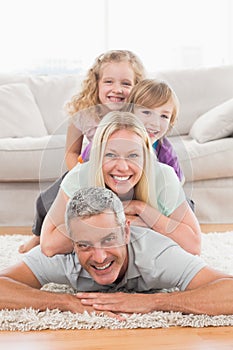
pixel 118 221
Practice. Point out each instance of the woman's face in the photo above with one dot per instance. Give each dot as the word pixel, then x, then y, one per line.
pixel 123 162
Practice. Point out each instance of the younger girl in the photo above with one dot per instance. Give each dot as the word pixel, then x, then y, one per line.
pixel 106 87
pixel 157 105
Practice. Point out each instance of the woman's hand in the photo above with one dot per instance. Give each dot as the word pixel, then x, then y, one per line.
pixel 133 207
pixel 132 210
pixel 181 225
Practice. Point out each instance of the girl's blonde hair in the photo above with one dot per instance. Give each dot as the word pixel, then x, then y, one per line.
pixel 152 93
pixel 113 121
pixel 89 95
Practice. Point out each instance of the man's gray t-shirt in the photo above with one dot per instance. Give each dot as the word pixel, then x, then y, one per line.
pixel 155 262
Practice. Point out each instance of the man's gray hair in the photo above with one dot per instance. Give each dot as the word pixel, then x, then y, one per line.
pixel 91 201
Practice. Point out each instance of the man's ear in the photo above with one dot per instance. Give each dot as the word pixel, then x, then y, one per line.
pixel 127 231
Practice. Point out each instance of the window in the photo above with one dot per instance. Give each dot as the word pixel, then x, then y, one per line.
pixel 57 36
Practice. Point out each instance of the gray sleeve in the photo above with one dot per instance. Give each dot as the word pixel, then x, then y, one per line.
pixel 46 269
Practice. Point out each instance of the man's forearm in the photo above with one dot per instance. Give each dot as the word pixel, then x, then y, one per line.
pixel 216 298
pixel 16 295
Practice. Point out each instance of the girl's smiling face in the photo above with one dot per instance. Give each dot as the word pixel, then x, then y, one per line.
pixel 115 83
pixel 123 162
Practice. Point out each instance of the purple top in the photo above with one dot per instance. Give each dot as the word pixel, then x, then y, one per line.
pixel 167 155
pixel 163 150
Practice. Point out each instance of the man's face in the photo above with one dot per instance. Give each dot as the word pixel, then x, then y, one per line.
pixel 100 244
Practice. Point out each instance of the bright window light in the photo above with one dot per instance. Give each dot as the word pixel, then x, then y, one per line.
pixel 65 36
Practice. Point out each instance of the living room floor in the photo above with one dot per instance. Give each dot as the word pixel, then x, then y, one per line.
pixel 25 230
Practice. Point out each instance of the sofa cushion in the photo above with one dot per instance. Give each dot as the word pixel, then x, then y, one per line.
pixel 198 91
pixel 213 199
pixel 51 94
pixel 32 158
pixel 215 124
pixel 19 113
pixel 203 161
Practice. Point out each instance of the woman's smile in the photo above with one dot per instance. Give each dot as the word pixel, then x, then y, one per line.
pixel 121 178
pixel 123 161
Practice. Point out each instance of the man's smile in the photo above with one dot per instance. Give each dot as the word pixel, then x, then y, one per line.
pixel 102 268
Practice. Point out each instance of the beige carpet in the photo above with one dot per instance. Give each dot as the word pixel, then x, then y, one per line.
pixel 217 250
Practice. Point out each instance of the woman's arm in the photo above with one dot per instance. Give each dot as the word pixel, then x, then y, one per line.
pixel 54 238
pixel 181 226
pixel 74 140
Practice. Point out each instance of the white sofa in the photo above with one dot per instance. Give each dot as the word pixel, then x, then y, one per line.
pixel 33 128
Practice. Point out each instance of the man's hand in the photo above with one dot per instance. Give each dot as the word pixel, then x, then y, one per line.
pixel 119 302
pixel 76 306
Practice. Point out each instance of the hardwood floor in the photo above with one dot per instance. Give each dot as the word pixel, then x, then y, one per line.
pixel 26 230
pixel 174 338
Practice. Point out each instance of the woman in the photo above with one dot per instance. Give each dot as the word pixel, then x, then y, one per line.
pixel 122 159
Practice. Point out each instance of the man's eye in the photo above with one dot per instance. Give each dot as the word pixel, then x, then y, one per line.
pixel 109 241
pixel 83 246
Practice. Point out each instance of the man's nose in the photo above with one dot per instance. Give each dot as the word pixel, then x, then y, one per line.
pixel 99 254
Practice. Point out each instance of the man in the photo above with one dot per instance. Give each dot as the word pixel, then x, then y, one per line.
pixel 108 257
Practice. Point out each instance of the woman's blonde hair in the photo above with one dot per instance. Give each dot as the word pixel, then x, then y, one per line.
pixel 152 93
pixel 89 95
pixel 113 121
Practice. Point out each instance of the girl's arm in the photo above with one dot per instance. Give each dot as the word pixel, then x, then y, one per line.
pixel 181 226
pixel 54 238
pixel 74 140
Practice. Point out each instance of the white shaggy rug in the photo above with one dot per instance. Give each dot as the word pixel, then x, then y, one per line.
pixel 217 251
